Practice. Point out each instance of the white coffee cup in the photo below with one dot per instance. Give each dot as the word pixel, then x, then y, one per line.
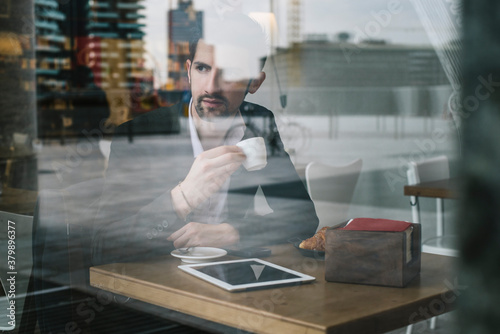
pixel 255 150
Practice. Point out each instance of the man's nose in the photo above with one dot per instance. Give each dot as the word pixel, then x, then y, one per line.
pixel 215 81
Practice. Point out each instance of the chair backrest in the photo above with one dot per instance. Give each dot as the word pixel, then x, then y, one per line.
pixel 105 149
pixel 62 253
pixel 429 170
pixel 331 188
pixel 62 240
pixel 6 324
pixel 17 229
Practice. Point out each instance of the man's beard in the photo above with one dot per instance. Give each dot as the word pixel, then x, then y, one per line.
pixel 213 114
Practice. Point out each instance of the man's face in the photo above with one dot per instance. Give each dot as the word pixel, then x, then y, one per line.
pixel 218 89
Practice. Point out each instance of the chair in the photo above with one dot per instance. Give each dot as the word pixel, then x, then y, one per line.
pixel 433 169
pixel 331 188
pixel 62 240
pixel 20 227
pixel 58 273
pixel 5 321
pixel 105 149
pixel 429 170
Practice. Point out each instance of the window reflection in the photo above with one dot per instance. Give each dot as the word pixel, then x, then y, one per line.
pixel 376 82
pixel 99 64
pixel 18 166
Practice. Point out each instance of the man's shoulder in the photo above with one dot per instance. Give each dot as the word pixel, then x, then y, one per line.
pixel 253 109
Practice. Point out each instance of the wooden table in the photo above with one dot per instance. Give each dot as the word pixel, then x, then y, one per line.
pixel 319 307
pixel 448 188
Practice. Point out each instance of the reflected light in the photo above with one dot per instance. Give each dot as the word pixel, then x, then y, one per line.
pixel 267 21
pixel 10 45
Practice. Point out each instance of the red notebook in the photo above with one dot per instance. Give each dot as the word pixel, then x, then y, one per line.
pixel 376 224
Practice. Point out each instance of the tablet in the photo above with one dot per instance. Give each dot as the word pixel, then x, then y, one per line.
pixel 245 274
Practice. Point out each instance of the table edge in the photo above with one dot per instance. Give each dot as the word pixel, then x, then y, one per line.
pixel 310 328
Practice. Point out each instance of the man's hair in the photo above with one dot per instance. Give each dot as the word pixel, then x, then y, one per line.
pixel 233 29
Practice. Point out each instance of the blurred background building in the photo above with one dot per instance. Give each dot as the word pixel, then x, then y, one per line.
pixel 320 62
pixel 181 22
pixel 18 125
pixel 90 65
pixel 328 77
pixel 94 72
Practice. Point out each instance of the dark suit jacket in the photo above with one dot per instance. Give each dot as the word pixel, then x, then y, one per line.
pixel 136 213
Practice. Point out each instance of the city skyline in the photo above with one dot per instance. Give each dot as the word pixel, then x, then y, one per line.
pixel 395 21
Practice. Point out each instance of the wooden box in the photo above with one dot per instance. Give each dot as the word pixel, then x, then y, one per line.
pixel 372 257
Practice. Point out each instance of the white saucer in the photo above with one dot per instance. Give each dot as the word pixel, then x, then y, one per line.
pixel 199 254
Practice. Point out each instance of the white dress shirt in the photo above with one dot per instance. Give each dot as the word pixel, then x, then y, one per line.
pixel 214 209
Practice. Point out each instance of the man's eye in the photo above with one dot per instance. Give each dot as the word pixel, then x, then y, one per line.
pixel 202 68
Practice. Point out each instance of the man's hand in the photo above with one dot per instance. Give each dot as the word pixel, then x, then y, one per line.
pixel 209 172
pixel 197 234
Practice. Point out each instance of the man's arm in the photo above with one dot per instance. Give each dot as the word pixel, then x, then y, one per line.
pixel 136 213
pixel 293 216
pixel 197 234
pixel 207 175
pixel 143 202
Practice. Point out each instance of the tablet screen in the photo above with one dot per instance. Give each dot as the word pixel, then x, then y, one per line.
pixel 245 274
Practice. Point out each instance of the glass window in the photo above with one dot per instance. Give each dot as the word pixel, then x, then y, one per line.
pixel 123 119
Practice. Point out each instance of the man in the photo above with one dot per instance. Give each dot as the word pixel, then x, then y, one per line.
pixel 163 199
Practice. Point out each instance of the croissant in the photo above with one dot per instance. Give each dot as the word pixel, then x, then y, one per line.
pixel 316 242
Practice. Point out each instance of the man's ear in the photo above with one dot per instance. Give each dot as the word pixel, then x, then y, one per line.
pixel 188 69
pixel 256 83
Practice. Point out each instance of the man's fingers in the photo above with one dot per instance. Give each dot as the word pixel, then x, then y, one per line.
pixel 227 158
pixel 221 150
pixel 177 234
pixel 209 172
pixel 181 239
pixel 181 242
pixel 198 234
pixel 231 168
pixel 186 236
